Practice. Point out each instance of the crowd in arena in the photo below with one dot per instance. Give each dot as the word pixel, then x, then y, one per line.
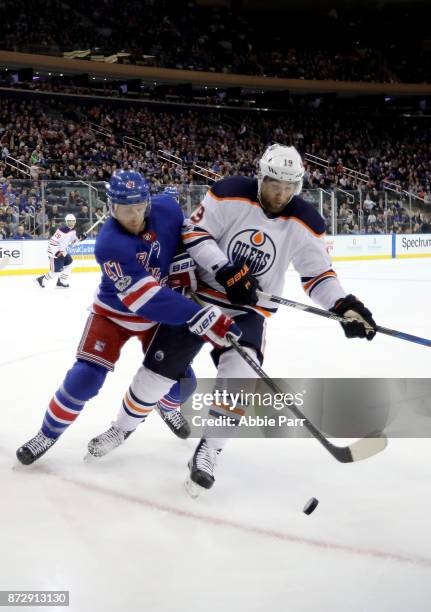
pixel 63 140
pixel 185 35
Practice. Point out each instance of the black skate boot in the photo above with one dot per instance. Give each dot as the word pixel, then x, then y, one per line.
pixel 62 285
pixel 105 442
pixel 202 466
pixel 175 421
pixel 34 448
pixel 40 280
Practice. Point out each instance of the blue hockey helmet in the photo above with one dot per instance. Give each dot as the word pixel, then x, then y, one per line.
pixel 127 187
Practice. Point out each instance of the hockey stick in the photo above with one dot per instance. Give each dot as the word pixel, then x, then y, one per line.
pixel 103 218
pixel 361 449
pixel 331 315
pixel 4 261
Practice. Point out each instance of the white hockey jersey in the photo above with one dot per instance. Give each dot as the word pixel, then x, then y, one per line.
pixel 231 226
pixel 63 238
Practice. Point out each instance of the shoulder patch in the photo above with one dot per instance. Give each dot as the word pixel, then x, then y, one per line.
pixel 236 187
pixel 305 212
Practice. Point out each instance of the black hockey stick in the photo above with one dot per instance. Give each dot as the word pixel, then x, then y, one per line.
pixel 331 315
pixel 361 449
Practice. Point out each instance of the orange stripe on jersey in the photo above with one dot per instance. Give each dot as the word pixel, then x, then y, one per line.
pixel 213 292
pixel 307 227
pixel 323 275
pixel 228 408
pixel 134 407
pixel 263 311
pixel 220 295
pixel 246 200
pixel 252 203
pixel 193 234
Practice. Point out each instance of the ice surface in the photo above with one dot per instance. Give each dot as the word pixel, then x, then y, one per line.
pixel 121 533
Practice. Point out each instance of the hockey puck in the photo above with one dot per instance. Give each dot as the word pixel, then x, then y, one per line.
pixel 310 506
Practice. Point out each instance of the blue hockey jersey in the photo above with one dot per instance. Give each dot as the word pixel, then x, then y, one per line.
pixel 135 270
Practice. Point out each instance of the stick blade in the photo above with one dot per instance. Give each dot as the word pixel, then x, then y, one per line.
pixel 368 447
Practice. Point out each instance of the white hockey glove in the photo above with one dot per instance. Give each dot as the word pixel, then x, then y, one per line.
pixel 212 325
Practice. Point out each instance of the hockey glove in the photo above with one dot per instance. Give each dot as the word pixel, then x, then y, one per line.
pixel 182 273
pixel 212 325
pixel 241 286
pixel 363 325
pixel 59 254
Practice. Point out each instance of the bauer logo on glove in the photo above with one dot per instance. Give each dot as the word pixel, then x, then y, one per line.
pixel 182 273
pixel 212 325
pixel 240 285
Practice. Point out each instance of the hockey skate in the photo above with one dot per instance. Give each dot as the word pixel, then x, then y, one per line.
pixel 34 448
pixel 175 421
pixel 104 443
pixel 202 466
pixel 40 281
pixel 62 285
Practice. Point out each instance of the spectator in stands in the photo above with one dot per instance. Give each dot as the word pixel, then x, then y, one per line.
pixel 21 234
pixel 41 222
pixel 10 217
pixel 371 220
pixel 4 234
pixel 368 203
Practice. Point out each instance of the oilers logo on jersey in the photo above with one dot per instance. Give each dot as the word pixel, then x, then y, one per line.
pixel 254 248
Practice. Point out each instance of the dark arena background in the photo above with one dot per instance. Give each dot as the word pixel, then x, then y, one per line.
pixel 190 94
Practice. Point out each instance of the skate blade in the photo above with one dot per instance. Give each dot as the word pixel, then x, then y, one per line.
pixel 17 466
pixel 193 489
pixel 89 458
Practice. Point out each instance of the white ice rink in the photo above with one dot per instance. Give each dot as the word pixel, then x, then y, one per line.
pixel 122 534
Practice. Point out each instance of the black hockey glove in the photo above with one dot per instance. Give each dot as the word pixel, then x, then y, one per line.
pixel 363 325
pixel 241 286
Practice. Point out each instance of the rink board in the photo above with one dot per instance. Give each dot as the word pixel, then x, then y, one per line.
pixel 30 256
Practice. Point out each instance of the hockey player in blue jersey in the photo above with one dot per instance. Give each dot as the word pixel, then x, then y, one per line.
pixel 136 250
pixel 242 238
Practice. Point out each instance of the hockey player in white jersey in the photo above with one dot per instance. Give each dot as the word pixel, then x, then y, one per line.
pixel 60 260
pixel 242 238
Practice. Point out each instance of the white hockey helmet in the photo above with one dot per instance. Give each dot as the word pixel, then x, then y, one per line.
pixel 282 164
pixel 70 220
